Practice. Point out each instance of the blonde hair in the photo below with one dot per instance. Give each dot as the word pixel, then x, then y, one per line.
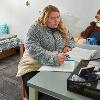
pixel 43 19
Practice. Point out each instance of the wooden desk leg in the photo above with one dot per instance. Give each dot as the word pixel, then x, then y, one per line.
pixel 33 94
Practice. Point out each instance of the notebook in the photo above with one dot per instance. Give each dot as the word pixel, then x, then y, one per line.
pixel 78 54
pixel 68 66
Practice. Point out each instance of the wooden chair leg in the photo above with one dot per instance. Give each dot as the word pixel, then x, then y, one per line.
pixel 21 46
pixel 24 96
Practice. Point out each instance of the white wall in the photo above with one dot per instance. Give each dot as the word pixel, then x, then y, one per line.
pixel 19 17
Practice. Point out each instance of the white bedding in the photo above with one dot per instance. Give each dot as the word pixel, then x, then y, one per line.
pixel 8 41
pixel 7 36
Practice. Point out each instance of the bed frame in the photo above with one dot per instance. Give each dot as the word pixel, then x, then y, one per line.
pixel 7 53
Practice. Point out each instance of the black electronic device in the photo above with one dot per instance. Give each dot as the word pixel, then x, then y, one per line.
pixel 83 80
pixel 87 73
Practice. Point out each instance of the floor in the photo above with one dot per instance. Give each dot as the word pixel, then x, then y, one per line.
pixel 10 86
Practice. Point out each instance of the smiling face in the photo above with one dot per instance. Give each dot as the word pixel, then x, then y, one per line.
pixel 53 20
pixel 97 17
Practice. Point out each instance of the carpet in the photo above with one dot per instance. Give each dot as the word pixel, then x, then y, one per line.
pixel 10 86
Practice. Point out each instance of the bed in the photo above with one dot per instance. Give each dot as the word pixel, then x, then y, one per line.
pixel 8 44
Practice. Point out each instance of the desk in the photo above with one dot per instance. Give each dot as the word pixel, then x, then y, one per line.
pixel 55 83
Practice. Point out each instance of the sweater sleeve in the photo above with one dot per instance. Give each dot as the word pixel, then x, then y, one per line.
pixel 33 46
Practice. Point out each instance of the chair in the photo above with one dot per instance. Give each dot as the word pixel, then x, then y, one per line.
pixel 24 96
pixel 21 46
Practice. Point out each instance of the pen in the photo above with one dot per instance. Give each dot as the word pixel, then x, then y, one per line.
pixel 68 58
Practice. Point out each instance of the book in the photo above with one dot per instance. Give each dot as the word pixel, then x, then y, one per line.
pixel 79 54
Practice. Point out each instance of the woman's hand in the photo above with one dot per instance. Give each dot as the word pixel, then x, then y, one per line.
pixel 61 57
pixel 67 49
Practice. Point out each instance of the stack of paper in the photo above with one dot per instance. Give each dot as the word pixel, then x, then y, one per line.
pixel 68 66
pixel 78 54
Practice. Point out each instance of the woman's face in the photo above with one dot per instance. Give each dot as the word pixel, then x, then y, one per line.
pixel 53 19
pixel 98 17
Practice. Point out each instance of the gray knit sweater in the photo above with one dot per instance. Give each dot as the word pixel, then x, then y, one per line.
pixel 43 44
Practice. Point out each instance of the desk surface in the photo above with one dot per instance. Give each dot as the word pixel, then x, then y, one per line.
pixel 55 83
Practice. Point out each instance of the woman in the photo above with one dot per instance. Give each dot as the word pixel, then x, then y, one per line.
pixel 45 42
pixel 92 31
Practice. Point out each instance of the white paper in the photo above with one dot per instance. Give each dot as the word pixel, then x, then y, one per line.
pixel 96 64
pixel 78 54
pixel 68 66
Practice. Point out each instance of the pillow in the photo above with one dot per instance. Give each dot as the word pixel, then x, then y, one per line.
pixel 27 64
pixel 3 29
pixel 7 36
